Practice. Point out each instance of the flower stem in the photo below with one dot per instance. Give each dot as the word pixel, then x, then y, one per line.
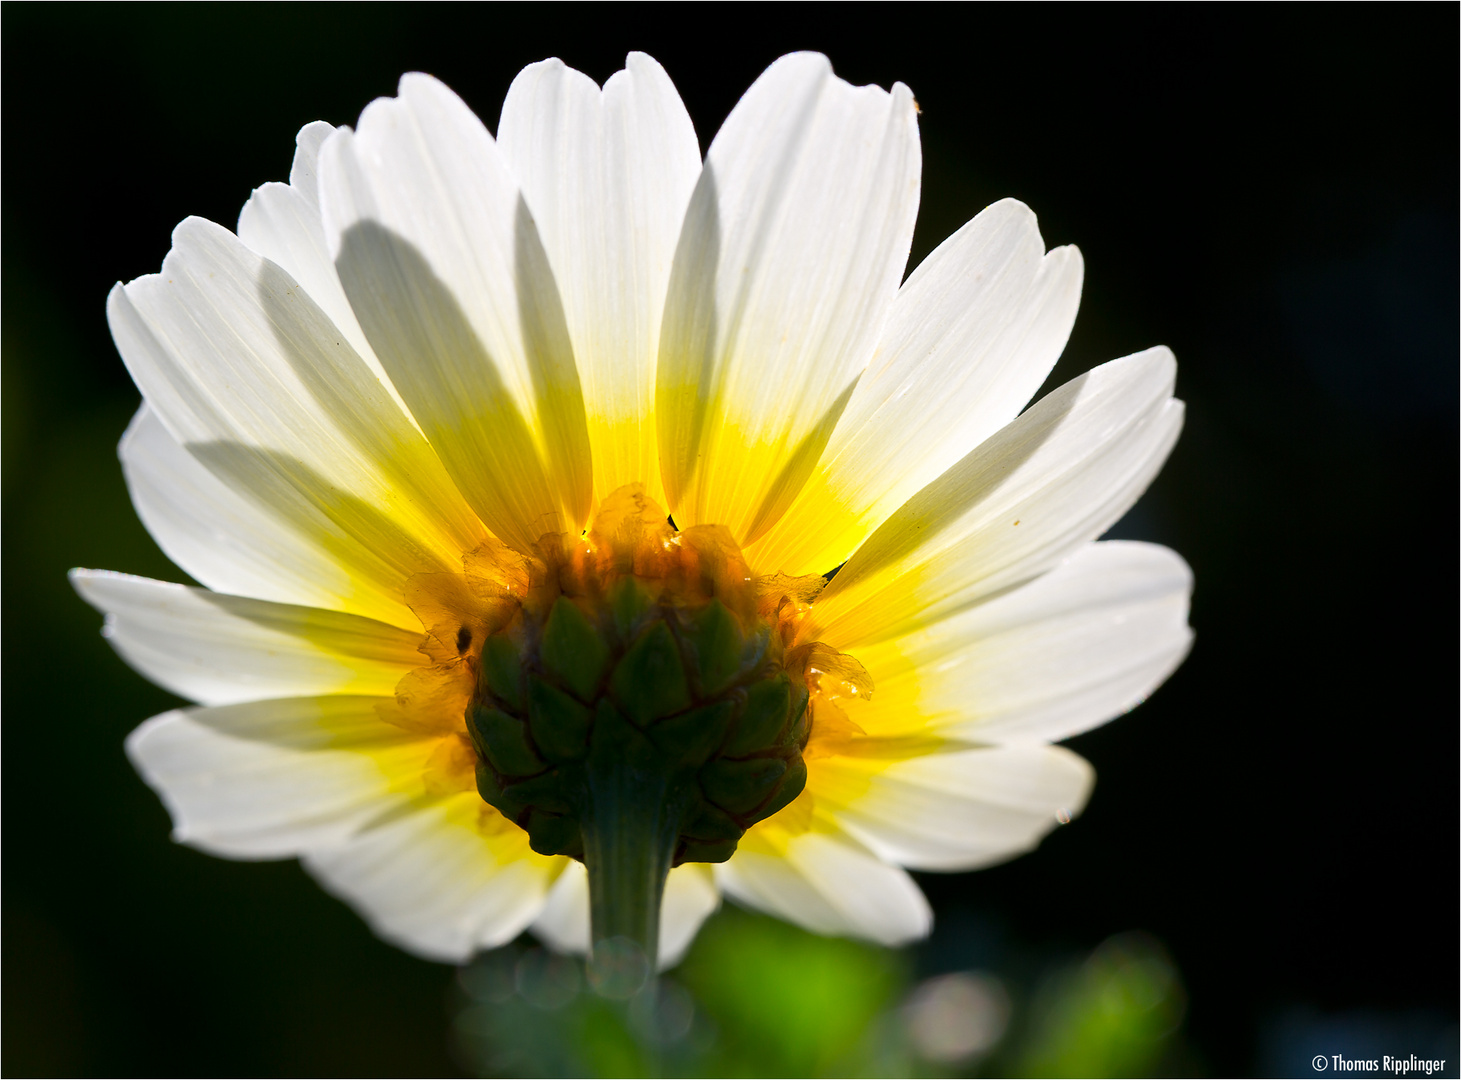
pixel 631 824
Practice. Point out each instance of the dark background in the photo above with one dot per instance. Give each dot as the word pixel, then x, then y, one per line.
pixel 1271 191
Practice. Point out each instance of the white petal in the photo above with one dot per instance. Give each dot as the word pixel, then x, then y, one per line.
pixel 955 811
pixel 972 335
pixel 793 247
pixel 442 882
pixel 443 266
pixel 830 884
pixel 607 176
pixel 1058 476
pixel 563 924
pixel 1068 651
pixel 218 649
pixel 690 898
pixel 226 541
pixel 282 223
pixel 305 171
pixel 252 378
pixel 270 779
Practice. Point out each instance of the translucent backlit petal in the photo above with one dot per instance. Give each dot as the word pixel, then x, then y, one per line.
pixel 1025 499
pixel 826 881
pixel 247 372
pixel 282 223
pixel 793 246
pixel 956 810
pixel 1068 651
pixel 972 334
pixel 444 881
pixel 232 543
pixel 218 649
pixel 271 779
pixel 442 263
pixel 607 175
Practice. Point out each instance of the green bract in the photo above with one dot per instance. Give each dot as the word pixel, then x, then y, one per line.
pixel 690 699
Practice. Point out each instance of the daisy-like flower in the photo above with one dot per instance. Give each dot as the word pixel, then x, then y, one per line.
pixel 588 530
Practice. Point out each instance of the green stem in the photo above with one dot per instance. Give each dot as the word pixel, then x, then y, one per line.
pixel 631 824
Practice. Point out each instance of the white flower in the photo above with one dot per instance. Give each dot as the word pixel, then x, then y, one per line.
pixel 432 346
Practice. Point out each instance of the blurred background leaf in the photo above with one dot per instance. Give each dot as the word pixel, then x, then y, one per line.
pixel 1114 1015
pixel 756 997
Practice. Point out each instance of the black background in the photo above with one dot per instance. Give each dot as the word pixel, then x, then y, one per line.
pixel 1269 190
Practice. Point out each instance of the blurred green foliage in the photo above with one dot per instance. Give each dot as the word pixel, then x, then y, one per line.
pixel 1114 1015
pixel 790 1003
pixel 759 997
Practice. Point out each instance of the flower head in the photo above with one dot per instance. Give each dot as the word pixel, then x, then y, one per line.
pixel 561 499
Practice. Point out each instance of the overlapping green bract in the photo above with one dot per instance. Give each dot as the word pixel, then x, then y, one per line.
pixel 690 694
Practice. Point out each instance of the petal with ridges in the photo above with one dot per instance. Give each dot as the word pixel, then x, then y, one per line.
pixel 1025 499
pixel 792 250
pixel 953 811
pixel 824 880
pixel 1063 654
pixel 228 542
pixel 444 882
pixel 282 223
pixel 607 176
pixel 971 336
pixel 441 261
pixel 248 373
pixel 271 779
pixel 219 650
